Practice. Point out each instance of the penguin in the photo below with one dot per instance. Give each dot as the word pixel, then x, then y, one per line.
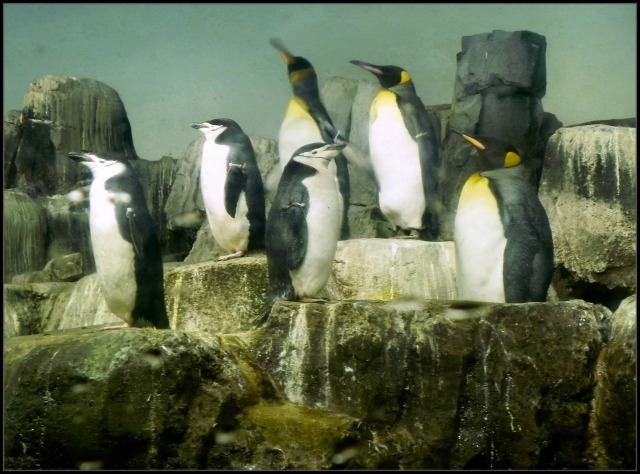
pixel 404 144
pixel 303 227
pixel 307 121
pixel 232 188
pixel 124 240
pixel 502 236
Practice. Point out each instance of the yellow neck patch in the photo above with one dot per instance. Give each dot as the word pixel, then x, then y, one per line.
pixel 297 107
pixel 385 98
pixel 476 190
pixel 296 76
pixel 404 77
pixel 512 159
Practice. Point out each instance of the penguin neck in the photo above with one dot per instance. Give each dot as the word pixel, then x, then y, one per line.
pixel 404 89
pixel 306 88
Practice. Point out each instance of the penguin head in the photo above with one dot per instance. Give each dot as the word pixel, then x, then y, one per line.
pixel 389 76
pixel 106 163
pixel 318 155
pixel 212 129
pixel 299 69
pixel 495 153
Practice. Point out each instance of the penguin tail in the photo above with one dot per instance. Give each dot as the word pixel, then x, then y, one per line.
pixel 264 313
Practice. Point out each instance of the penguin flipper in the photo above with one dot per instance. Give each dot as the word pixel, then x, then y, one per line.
pixel 234 185
pixel 295 237
pixel 528 255
pixel 135 232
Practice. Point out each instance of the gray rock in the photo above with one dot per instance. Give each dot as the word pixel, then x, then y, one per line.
pixel 63 114
pixel 127 399
pixel 25 234
pixel 515 59
pixel 28 307
pixel 588 189
pixel 444 387
pixel 614 442
pixel 68 268
pixel 337 94
pixel 12 134
pixel 216 297
pixel 388 269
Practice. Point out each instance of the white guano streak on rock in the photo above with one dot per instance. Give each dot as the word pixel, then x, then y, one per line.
pixel 328 348
pixel 392 276
pixel 292 367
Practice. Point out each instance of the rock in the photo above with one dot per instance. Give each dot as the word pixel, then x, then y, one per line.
pixel 613 422
pixel 125 399
pixel 68 227
pixel 588 189
pixel 25 234
pixel 81 305
pixel 500 58
pixel 440 386
pixel 12 135
pixel 67 269
pixel 388 269
pixel 217 297
pixel 63 114
pixel 337 94
pixel 28 306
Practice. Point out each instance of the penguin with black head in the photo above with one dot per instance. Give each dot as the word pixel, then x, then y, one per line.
pixel 232 188
pixel 307 121
pixel 124 241
pixel 502 236
pixel 404 144
pixel 303 227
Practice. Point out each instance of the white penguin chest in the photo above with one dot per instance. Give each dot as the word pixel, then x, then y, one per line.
pixel 114 256
pixel 323 224
pixel 298 128
pixel 232 233
pixel 396 163
pixel 479 243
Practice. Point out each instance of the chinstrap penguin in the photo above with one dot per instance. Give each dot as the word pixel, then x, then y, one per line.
pixel 124 241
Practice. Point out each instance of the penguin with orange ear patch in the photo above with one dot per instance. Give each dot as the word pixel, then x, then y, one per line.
pixel 502 236
pixel 307 121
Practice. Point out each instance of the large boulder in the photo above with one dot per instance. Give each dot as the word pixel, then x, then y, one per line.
pixel 25 234
pixel 588 189
pixel 128 399
pixel 613 426
pixel 63 114
pixel 444 385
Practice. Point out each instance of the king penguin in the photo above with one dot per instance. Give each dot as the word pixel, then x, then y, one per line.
pixel 404 144
pixel 124 240
pixel 232 188
pixel 303 227
pixel 502 236
pixel 307 121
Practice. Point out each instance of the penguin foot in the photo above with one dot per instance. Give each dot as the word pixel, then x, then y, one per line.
pixel 408 234
pixel 230 256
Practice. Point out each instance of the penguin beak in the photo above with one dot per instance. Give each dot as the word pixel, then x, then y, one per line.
pixel 80 157
pixel 336 146
pixel 279 45
pixel 197 126
pixel 369 67
pixel 469 138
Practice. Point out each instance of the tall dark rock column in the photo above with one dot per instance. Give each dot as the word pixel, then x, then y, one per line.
pixel 500 82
